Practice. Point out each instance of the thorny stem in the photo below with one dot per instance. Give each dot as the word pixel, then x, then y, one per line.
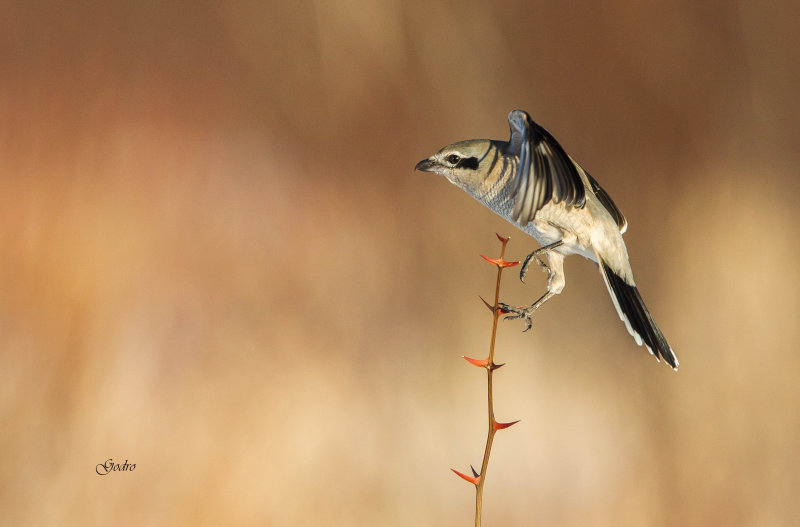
pixel 490 367
pixel 478 479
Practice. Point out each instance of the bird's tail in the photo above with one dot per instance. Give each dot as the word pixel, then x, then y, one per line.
pixel 636 317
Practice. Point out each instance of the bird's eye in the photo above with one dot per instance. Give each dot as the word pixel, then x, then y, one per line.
pixel 453 159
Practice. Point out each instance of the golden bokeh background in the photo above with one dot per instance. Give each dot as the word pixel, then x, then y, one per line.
pixel 217 263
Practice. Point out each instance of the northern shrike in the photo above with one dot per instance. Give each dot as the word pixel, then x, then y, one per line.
pixel 532 182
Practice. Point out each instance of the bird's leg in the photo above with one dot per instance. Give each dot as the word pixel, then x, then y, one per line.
pixel 535 255
pixel 555 285
pixel 526 313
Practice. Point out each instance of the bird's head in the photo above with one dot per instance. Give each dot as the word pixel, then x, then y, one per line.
pixel 465 164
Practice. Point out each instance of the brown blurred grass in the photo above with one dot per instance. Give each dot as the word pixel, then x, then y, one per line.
pixel 217 264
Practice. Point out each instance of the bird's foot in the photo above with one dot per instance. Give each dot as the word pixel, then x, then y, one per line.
pixel 535 256
pixel 523 272
pixel 524 312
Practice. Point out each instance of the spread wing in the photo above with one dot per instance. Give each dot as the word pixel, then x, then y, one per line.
pixel 608 203
pixel 544 173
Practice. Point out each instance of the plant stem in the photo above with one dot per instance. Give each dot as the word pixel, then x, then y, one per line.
pixel 490 367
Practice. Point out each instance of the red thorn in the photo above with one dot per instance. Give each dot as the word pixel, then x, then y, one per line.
pixel 503 239
pixel 479 363
pixel 500 426
pixel 473 480
pixel 499 262
pixel 487 304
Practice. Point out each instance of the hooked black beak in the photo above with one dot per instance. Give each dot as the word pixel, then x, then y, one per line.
pixel 426 165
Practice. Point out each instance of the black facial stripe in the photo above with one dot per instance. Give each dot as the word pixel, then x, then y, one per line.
pixel 468 162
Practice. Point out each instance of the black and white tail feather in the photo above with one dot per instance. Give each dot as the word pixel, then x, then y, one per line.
pixel 532 182
pixel 636 316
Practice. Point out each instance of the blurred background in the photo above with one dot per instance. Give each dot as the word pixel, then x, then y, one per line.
pixel 217 263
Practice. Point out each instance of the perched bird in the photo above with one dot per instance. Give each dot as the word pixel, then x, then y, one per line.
pixel 532 182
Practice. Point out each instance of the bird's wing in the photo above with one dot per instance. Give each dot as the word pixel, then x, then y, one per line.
pixel 608 203
pixel 544 173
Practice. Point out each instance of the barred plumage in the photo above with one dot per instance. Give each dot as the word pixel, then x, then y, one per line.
pixel 531 181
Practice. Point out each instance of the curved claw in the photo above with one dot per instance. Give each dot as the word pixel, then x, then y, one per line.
pixel 535 254
pixel 517 313
pixel 545 268
pixel 526 313
pixel 523 272
pixel 526 317
pixel 524 269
